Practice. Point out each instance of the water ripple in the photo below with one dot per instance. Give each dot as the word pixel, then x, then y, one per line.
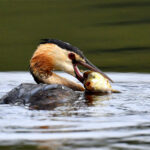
pixel 117 121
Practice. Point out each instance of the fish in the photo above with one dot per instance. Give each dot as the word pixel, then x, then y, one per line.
pixel 95 82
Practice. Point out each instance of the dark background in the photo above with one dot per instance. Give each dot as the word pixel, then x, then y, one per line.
pixel 113 34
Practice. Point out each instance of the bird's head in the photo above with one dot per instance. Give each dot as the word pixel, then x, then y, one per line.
pixel 54 54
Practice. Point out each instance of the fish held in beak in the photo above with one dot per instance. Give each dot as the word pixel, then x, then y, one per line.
pixel 94 82
pixel 94 68
pixel 87 64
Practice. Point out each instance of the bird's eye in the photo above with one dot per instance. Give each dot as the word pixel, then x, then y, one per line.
pixel 71 56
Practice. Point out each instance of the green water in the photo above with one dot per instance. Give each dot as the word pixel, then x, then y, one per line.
pixel 113 34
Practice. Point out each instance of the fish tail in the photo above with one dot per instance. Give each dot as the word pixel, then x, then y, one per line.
pixel 115 91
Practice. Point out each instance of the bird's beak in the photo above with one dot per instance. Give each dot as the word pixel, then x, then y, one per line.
pixel 87 64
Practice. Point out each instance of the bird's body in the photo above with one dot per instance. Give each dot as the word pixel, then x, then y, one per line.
pixel 49 56
pixel 41 96
pixel 53 55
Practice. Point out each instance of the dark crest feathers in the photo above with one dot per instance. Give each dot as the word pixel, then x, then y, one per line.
pixel 63 45
pixel 68 47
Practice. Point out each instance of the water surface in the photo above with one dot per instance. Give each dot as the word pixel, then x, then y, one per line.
pixel 117 121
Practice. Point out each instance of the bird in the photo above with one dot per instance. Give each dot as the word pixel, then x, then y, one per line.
pixel 56 55
pixel 51 89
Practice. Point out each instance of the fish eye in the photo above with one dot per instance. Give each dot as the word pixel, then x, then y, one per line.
pixel 88 84
pixel 85 75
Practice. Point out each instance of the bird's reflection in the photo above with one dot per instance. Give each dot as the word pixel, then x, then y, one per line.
pixel 81 100
pixel 96 98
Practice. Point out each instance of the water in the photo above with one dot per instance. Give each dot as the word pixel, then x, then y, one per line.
pixel 117 121
pixel 115 36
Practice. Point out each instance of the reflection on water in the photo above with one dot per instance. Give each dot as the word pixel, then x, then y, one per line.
pixel 116 121
pixel 96 99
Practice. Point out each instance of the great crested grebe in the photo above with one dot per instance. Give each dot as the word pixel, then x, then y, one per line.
pixel 54 54
pixel 52 90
